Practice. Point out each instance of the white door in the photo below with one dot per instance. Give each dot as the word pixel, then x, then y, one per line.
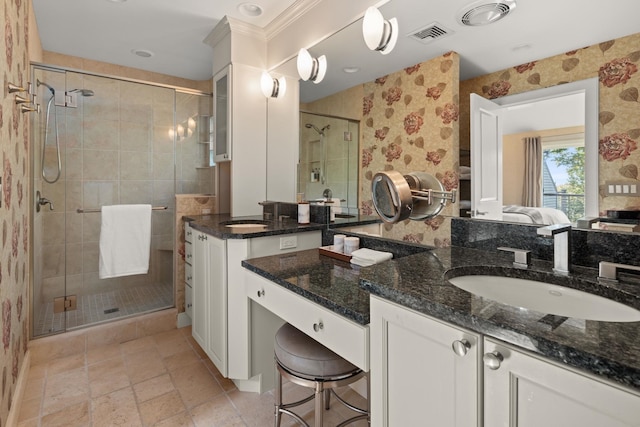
pixel 417 379
pixel 486 158
pixel 525 391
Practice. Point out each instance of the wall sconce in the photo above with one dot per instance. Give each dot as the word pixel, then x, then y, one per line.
pixel 379 34
pixel 272 88
pixel 310 68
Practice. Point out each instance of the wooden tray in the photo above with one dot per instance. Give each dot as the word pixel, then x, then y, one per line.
pixel 328 251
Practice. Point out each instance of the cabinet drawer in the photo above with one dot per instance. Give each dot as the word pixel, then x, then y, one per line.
pixel 188 233
pixel 343 336
pixel 188 274
pixel 188 301
pixel 188 253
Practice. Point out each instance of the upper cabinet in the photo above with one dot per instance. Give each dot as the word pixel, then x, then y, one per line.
pixel 222 110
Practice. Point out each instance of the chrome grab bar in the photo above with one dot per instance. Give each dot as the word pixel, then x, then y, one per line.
pixel 154 208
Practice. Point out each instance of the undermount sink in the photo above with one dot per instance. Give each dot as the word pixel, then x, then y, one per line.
pixel 246 223
pixel 546 298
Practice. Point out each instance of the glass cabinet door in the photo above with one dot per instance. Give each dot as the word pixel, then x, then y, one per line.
pixel 222 103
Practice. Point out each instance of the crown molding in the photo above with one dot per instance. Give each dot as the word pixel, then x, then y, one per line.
pixel 289 16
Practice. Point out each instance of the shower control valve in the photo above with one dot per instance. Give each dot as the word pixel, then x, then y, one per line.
pixel 41 201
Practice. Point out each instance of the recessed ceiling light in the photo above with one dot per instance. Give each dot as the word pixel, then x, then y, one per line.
pixel 143 53
pixel 351 70
pixel 249 9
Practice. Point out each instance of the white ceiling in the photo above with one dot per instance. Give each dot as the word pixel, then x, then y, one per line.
pixel 107 31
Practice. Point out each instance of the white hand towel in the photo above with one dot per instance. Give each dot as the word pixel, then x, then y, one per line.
pixel 365 257
pixel 125 239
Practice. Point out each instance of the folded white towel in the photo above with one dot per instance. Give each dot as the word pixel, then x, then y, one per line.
pixel 365 257
pixel 465 169
pixel 335 206
pixel 125 239
pixel 465 204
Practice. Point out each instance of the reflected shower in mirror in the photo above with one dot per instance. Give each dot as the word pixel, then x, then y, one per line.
pixel 329 159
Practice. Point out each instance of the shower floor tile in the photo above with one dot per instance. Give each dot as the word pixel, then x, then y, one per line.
pixel 97 308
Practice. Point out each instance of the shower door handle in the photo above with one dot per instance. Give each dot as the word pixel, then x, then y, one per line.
pixel 41 201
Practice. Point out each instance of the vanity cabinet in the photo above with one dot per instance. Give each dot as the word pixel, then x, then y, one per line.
pixel 528 391
pixel 423 371
pixel 188 271
pixel 221 310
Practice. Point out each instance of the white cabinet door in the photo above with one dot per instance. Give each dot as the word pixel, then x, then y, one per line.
pixel 217 303
pixel 526 391
pixel 417 378
pixel 209 327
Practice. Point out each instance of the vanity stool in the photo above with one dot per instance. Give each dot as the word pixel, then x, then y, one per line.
pixel 304 361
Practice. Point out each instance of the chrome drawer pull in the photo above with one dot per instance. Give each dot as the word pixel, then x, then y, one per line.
pixel 318 326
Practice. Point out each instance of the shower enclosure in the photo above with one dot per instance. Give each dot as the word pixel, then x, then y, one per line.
pixel 328 161
pixel 103 141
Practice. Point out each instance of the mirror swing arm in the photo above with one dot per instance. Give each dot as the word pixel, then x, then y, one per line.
pixel 416 196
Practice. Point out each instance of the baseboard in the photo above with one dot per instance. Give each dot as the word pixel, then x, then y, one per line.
pixel 183 320
pixel 21 385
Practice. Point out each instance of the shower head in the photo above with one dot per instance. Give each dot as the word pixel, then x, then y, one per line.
pixel 320 131
pixel 53 91
pixel 83 92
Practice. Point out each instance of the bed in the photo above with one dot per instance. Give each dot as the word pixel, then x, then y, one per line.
pixel 528 215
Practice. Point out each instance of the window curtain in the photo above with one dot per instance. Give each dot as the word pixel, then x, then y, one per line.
pixel 532 192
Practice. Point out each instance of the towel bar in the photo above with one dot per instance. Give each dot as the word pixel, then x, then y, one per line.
pixel 154 208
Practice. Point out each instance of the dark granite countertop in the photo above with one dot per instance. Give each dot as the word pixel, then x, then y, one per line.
pixel 216 225
pixel 419 282
pixel 332 283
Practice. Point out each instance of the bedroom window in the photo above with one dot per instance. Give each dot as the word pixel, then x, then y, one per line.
pixel 563 178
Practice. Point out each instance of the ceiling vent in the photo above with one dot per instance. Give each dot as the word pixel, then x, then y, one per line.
pixel 483 12
pixel 431 32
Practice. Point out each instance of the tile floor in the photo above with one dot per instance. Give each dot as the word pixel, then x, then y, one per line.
pixel 159 380
pixel 105 306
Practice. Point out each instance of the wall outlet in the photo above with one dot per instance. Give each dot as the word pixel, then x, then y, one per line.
pixel 288 242
pixel 205 211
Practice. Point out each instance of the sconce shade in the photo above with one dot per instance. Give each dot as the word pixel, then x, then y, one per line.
pixel 310 68
pixel 379 34
pixel 272 88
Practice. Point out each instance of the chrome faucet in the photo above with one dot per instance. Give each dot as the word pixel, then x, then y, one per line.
pixel 270 210
pixel 561 235
pixel 608 271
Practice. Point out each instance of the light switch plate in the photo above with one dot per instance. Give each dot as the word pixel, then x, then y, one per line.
pixel 622 188
pixel 288 242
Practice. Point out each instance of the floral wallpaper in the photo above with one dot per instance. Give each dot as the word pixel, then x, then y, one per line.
pixel 410 123
pixel 615 63
pixel 14 219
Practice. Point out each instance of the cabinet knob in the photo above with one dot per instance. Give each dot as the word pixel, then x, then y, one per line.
pixel 461 347
pixel 189 278
pixel 260 293
pixel 189 256
pixel 318 326
pixel 189 305
pixel 493 360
